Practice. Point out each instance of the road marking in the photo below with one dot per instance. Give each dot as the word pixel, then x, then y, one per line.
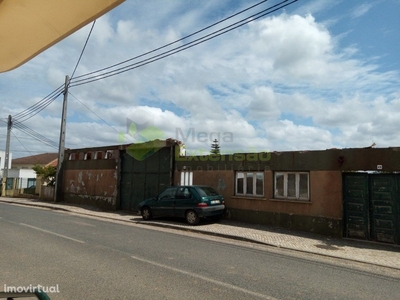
pixel 224 284
pixel 47 231
pixel 83 223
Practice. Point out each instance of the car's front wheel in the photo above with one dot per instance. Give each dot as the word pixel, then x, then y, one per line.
pixel 192 218
pixel 146 213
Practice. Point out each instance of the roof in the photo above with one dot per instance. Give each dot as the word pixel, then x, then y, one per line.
pixel 28 27
pixel 39 159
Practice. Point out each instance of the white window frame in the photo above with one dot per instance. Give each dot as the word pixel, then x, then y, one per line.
pixel 243 175
pixel 186 178
pixel 297 186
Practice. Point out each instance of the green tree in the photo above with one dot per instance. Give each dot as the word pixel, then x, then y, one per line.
pixel 215 148
pixel 47 173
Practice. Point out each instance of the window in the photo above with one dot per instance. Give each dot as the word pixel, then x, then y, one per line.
pixel 88 156
pixel 109 154
pixel 31 183
pixel 186 178
pixel 206 191
pixel 292 185
pixel 183 193
pixel 98 155
pixel 169 193
pixel 250 183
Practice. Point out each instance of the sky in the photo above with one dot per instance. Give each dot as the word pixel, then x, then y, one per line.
pixel 314 75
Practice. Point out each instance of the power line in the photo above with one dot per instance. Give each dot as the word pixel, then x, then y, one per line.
pixel 87 78
pixel 174 42
pixel 94 112
pixel 37 136
pixel 175 50
pixel 21 143
pixel 83 50
pixel 46 101
pixel 39 106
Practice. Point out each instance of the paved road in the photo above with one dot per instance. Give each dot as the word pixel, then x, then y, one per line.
pixel 95 259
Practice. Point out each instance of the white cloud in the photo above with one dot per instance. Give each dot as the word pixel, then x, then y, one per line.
pixel 361 10
pixel 286 135
pixel 280 83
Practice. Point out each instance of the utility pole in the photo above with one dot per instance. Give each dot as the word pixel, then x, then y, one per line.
pixel 7 158
pixel 58 194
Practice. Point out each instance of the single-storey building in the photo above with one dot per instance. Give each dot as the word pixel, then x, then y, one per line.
pixel 337 192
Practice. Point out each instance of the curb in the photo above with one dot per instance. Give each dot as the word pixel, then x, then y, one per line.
pixel 217 234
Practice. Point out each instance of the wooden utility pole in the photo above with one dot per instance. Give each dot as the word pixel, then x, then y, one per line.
pixel 58 194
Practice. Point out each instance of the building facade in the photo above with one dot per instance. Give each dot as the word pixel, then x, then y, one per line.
pixel 336 192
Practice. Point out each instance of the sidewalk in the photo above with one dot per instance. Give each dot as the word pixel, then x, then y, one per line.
pixel 360 251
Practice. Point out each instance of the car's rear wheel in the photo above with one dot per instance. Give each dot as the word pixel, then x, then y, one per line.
pixel 146 213
pixel 192 218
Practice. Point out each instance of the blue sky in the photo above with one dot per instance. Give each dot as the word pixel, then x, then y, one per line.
pixel 317 74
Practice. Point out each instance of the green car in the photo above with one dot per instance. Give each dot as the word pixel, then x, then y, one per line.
pixel 191 202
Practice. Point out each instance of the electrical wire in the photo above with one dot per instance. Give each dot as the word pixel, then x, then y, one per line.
pixel 181 48
pixel 86 78
pixel 21 143
pixel 174 42
pixel 46 101
pixel 94 113
pixel 83 50
pixel 37 136
pixel 39 106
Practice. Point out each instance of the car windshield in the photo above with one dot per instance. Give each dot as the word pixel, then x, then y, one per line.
pixel 205 191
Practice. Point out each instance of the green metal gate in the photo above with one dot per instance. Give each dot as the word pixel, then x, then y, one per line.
pixel 356 205
pixel 142 179
pixel 371 206
pixel 384 197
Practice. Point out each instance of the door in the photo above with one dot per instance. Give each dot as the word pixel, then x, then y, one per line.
pixel 371 206
pixel 383 195
pixel 356 205
pixel 164 206
pixel 184 201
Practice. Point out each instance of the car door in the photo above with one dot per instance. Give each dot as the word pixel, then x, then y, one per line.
pixel 184 201
pixel 165 202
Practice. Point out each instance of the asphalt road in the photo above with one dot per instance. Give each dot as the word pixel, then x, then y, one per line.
pixel 87 258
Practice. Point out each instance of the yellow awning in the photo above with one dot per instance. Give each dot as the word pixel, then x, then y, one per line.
pixel 28 27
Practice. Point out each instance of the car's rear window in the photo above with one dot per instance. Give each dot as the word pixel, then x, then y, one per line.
pixel 206 191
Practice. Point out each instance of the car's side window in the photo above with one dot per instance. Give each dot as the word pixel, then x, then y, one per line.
pixel 168 194
pixel 183 193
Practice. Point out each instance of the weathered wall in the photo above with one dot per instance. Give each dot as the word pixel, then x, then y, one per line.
pixel 92 187
pixel 91 178
pixel 322 214
pixel 47 193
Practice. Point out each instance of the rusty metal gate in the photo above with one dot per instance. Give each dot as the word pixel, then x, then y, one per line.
pixel 371 206
pixel 142 179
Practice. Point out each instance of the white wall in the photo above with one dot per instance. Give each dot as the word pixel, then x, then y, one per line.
pixel 23 174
